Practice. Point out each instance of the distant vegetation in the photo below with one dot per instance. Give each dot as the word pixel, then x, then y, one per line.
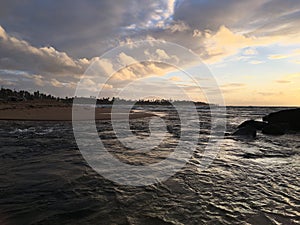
pixel 8 95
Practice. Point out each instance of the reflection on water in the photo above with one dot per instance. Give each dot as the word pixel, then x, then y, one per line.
pixel 44 179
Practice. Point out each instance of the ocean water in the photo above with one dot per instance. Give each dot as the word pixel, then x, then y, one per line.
pixel 45 180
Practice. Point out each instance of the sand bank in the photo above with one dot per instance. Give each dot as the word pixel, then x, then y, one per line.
pixel 58 112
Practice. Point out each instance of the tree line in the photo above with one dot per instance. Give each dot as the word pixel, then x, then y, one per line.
pixel 22 95
pixel 8 95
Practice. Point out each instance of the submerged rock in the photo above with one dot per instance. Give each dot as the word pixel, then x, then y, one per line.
pixel 274 129
pixel 246 131
pixel 259 125
pixel 290 117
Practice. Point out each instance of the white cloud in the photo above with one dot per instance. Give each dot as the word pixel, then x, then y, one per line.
pixel 225 43
pixel 178 26
pixel 38 79
pixel 278 56
pixel 250 51
pixel 161 54
pixel 126 59
pixel 20 55
pixel 256 62
pixel 295 53
pixel 197 33
pixel 56 83
pixel 175 79
pixel 38 68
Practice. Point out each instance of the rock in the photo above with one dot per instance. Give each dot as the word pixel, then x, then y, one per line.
pixel 274 129
pixel 256 124
pixel 291 117
pixel 246 131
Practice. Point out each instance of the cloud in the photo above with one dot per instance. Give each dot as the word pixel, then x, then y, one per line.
pixel 81 31
pixel 293 76
pixel 175 78
pixel 295 53
pixel 34 68
pixel 296 61
pixel 161 54
pixel 276 18
pixel 278 56
pixel 19 54
pixel 86 28
pixel 233 85
pixel 133 64
pixel 126 59
pixel 7 82
pixel 225 43
pixel 142 70
pixel 56 83
pixel 54 42
pixel 212 14
pixel 67 26
pixel 231 88
pixel 264 93
pixel 289 78
pixel 283 81
pixel 256 62
pixel 178 26
pixel 250 51
pixel 197 33
pixel 254 17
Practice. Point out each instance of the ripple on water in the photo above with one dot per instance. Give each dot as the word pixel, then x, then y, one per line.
pixel 44 179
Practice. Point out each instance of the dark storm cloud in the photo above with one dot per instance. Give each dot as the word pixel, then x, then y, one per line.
pixel 74 26
pixel 215 13
pixel 64 24
pixel 240 15
pixel 88 28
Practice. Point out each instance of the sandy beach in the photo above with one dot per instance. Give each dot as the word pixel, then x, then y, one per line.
pixel 55 111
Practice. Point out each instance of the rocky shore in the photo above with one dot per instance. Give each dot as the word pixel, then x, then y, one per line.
pixel 277 123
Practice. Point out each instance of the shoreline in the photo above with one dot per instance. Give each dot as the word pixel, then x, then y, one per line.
pixel 59 112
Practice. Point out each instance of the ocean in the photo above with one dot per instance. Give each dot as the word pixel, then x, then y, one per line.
pixel 44 178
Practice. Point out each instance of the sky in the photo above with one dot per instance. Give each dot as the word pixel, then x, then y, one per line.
pixel 251 47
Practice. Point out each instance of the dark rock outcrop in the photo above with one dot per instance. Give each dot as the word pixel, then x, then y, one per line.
pixel 290 118
pixel 277 123
pixel 274 129
pixel 258 125
pixel 246 131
